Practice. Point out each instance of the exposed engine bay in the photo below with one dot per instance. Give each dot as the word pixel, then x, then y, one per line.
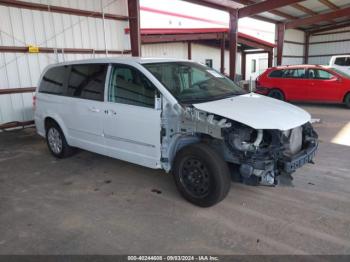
pixel 260 155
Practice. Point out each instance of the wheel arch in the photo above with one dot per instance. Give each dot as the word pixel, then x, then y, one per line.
pixel 280 90
pixel 184 141
pixel 346 94
pixel 52 118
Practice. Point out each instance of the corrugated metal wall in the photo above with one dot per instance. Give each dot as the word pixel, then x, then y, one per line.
pixel 199 53
pixel 339 43
pixel 170 50
pixel 293 48
pixel 22 27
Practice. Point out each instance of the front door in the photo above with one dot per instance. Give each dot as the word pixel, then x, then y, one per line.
pixel 323 86
pixel 132 124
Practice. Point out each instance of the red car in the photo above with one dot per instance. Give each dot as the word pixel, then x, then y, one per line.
pixel 305 83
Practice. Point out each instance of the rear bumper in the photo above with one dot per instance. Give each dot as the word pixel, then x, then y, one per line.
pixel 262 90
pixel 303 157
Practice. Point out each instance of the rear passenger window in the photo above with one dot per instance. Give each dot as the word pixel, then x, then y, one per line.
pixel 130 86
pixel 294 73
pixel 276 74
pixel 54 80
pixel 87 81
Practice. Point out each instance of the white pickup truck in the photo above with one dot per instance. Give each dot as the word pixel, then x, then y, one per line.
pixel 341 62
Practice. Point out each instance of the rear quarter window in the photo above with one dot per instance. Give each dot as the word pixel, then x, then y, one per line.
pixel 54 80
pixel 276 74
pixel 342 61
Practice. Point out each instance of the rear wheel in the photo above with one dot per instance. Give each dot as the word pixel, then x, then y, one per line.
pixel 347 100
pixel 201 175
pixel 56 141
pixel 277 94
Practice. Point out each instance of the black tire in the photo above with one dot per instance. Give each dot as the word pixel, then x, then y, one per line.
pixel 347 100
pixel 277 94
pixel 201 175
pixel 62 150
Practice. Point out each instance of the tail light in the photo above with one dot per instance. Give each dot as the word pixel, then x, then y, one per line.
pixel 34 102
pixel 257 83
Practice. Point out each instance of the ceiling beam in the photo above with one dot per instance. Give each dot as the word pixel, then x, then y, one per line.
pixel 251 43
pixel 318 18
pixel 304 9
pixel 282 14
pixel 224 5
pixel 328 28
pixel 265 19
pixel 149 39
pixel 264 6
pixel 317 27
pixel 232 4
pixel 275 12
pixel 307 10
pixel 60 9
pixel 329 4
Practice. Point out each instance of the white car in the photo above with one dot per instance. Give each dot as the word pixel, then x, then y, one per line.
pixel 341 62
pixel 175 115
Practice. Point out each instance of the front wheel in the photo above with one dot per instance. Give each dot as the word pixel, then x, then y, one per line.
pixel 347 100
pixel 277 94
pixel 201 175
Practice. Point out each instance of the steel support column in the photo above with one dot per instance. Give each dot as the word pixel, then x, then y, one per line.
pixel 307 46
pixel 244 65
pixel 233 41
pixel 280 41
pixel 134 24
pixel 270 58
pixel 222 54
pixel 189 50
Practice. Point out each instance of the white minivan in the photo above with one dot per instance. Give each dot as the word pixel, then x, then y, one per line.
pixel 175 115
pixel 341 62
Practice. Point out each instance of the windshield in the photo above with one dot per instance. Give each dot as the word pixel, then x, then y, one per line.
pixel 341 72
pixel 193 83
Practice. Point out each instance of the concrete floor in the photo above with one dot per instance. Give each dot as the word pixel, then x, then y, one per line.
pixel 91 204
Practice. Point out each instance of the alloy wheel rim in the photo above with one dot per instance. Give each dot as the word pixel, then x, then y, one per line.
pixel 55 140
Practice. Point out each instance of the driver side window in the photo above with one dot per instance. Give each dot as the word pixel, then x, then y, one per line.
pixel 129 86
pixel 320 74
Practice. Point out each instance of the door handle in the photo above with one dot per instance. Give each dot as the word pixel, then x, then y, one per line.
pixel 110 112
pixel 94 109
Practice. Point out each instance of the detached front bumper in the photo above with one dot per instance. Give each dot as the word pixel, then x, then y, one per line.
pixel 305 156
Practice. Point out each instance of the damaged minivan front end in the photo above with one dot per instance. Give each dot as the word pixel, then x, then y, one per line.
pixel 267 137
pixel 212 131
pixel 279 146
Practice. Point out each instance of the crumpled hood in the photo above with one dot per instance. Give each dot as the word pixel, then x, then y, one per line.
pixel 257 111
